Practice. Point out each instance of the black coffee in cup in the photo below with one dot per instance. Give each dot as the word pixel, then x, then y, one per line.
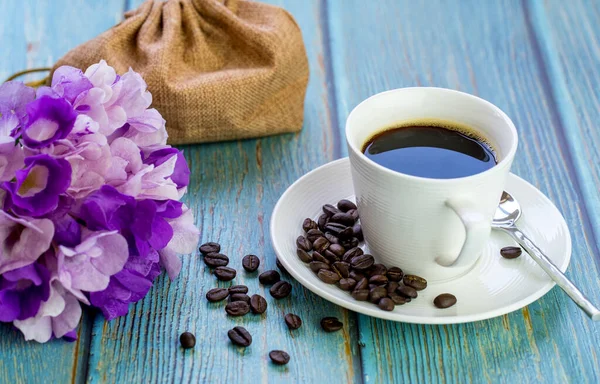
pixel 436 150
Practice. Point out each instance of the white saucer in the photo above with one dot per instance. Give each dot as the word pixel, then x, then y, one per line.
pixel 495 285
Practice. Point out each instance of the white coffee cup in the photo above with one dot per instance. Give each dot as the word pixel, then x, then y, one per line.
pixel 435 228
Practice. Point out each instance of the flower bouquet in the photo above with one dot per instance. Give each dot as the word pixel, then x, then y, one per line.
pixel 89 193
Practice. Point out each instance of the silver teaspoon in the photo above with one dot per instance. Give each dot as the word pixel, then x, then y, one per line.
pixel 505 217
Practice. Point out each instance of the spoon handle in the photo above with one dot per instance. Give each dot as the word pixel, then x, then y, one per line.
pixel 553 271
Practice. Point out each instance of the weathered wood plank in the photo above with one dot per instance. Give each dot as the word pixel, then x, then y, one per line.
pixel 35 34
pixel 233 189
pixel 488 49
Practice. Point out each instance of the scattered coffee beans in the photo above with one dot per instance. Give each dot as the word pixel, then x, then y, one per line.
pixel 445 300
pixel 378 280
pixel 318 257
pixel 214 260
pixel 332 239
pixel 342 268
pixel 392 286
pixel 303 243
pixel 313 235
pixel 240 336
pixel 362 262
pixel 308 224
pixel 416 282
pixel 362 283
pixel 225 273
pixel 331 324
pixel 269 277
pixel 347 284
pixel 395 274
pixel 360 294
pixel 280 289
pixel 240 297
pixel 210 247
pixel 342 218
pixel 279 357
pixel 511 252
pixel 237 308
pixel 293 321
pixel 280 266
pixel 250 263
pixel 337 250
pixel 357 232
pixel 397 299
pixel 187 340
pixel 351 253
pixel 217 294
pixel 377 294
pixel 376 269
pixel 258 304
pixel 322 222
pixel 316 266
pixel 304 256
pixel 329 210
pixel 320 245
pixel 386 304
pixel 238 289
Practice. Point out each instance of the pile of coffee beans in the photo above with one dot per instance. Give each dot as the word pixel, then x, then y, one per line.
pixel 330 247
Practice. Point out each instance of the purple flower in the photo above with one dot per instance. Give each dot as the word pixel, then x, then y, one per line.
pixel 70 82
pixel 181 172
pixel 11 158
pixel 38 186
pixel 22 240
pixel 22 291
pixel 49 119
pixel 14 96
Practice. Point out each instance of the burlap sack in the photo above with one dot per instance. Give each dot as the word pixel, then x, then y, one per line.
pixel 217 69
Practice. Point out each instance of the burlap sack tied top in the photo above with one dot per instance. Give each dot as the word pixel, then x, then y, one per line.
pixel 217 69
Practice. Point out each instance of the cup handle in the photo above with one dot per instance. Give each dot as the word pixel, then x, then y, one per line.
pixel 475 224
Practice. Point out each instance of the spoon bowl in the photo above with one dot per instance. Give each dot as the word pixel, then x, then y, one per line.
pixel 508 211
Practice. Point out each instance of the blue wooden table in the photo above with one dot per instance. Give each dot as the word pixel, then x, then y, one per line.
pixel 537 60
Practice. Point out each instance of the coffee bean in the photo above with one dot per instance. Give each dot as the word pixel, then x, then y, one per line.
pixel 342 268
pixel 258 304
pixel 392 286
pixel 187 340
pixel 398 299
pixel 376 294
pixel 511 252
pixel 360 294
pixel 250 263
pixel 371 286
pixel 407 291
pixel 210 247
pixel 347 239
pixel 238 289
pixel 214 260
pixel 357 232
pixel 314 234
pixel 281 289
pixel 329 277
pixel 337 249
pixel 356 275
pixel 345 205
pixel 318 257
pixel 293 321
pixel 445 300
pixel 304 256
pixel 353 213
pixel 347 284
pixel 376 269
pixel 237 308
pixel 303 243
pixel 308 224
pixel 329 210
pixel 217 294
pixel 269 277
pixel 386 304
pixel 352 252
pixel 332 239
pixel 395 274
pixel 335 228
pixel 378 280
pixel 342 218
pixel 240 336
pixel 416 282
pixel 316 266
pixel 240 297
pixel 331 324
pixel 362 284
pixel 279 357
pixel 280 266
pixel 330 256
pixel 321 244
pixel 362 262
pixel 322 222
pixel 225 273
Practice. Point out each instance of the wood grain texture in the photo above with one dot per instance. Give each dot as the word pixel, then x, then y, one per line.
pixel 233 189
pixel 488 49
pixel 35 34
